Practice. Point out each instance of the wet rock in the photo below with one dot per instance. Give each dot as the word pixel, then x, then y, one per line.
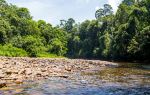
pixel 19 81
pixel 111 65
pixel 64 76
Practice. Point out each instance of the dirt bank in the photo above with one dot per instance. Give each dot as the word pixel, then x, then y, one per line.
pixel 17 70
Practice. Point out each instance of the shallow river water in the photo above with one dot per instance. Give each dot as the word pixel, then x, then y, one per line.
pixel 125 79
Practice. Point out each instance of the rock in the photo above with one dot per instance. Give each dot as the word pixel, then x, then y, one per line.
pixel 28 71
pixel 18 69
pixel 8 72
pixel 14 71
pixel 1 66
pixel 13 77
pixel 45 74
pixel 111 65
pixel 22 72
pixel 19 81
pixel 68 68
pixel 27 66
pixel 43 70
pixel 2 75
pixel 63 76
pixel 90 62
pixel 2 84
pixel 83 81
pixel 39 75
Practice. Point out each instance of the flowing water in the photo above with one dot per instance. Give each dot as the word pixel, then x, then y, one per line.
pixel 125 79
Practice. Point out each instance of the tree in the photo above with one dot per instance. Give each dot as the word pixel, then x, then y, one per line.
pixel 67 25
pixel 124 35
pixel 5 30
pixel 129 2
pixel 58 47
pixel 23 13
pixel 102 12
pixel 32 45
pixel 99 13
pixel 108 10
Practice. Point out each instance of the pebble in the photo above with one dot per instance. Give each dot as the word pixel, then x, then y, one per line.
pixel 18 69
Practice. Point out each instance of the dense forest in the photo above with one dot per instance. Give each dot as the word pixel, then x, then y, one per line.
pixel 124 35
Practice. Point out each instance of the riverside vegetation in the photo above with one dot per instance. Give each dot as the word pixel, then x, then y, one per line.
pixel 124 35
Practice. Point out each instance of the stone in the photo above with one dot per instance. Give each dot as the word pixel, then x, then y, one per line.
pixel 13 77
pixel 2 75
pixel 23 71
pixel 63 76
pixel 2 84
pixel 43 70
pixel 19 81
pixel 1 66
pixel 28 71
pixel 68 68
pixel 8 72
pixel 39 75
pixel 18 69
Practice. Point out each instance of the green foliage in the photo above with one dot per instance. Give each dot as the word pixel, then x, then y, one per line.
pixel 67 25
pixel 32 45
pixel 124 35
pixel 102 12
pixel 37 38
pixel 58 47
pixel 107 41
pixel 9 50
pixel 5 29
pixel 48 55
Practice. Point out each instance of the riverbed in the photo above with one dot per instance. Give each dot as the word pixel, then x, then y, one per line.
pixel 81 77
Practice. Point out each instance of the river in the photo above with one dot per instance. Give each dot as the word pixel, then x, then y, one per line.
pixel 124 79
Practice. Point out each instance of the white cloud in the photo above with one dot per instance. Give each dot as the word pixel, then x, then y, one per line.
pixel 41 10
pixel 114 4
pixel 54 10
pixel 83 1
pixel 88 1
pixel 97 7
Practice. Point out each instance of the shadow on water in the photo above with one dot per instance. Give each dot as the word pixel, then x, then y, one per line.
pixel 126 79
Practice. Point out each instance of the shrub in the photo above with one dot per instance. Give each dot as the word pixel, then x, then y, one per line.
pixel 9 50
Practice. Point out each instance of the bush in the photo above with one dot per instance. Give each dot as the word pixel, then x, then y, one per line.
pixel 9 50
pixel 32 45
pixel 48 55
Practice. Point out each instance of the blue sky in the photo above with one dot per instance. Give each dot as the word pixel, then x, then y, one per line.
pixel 54 10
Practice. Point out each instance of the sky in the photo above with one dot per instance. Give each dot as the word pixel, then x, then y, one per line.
pixel 52 11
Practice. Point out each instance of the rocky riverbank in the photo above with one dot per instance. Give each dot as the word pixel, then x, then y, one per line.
pixel 17 70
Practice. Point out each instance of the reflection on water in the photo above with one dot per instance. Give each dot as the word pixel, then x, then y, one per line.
pixel 126 79
pixel 126 76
